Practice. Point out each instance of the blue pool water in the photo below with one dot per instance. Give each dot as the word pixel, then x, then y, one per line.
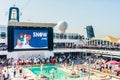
pixel 58 74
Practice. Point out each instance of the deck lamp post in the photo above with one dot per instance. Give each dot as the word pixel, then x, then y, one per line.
pixel 89 62
pixel 41 70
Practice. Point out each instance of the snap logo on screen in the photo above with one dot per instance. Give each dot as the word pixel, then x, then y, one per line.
pixel 39 34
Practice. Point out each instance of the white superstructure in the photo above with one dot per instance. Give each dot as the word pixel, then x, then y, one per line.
pixel 70 43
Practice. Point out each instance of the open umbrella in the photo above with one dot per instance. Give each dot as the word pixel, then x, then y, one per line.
pixel 118 70
pixel 113 62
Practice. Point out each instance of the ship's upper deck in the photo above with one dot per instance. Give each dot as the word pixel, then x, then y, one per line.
pixel 29 24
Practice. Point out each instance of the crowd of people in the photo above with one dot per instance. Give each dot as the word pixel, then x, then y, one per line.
pixel 102 65
pixel 85 46
pixel 95 64
pixel 32 60
pixel 7 74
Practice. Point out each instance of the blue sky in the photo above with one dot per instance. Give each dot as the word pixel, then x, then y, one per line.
pixel 103 15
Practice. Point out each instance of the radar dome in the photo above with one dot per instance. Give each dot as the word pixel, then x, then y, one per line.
pixel 62 26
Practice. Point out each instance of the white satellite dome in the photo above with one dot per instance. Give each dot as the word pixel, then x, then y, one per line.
pixel 62 25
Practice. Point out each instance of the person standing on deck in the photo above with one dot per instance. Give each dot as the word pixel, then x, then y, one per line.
pixel 81 73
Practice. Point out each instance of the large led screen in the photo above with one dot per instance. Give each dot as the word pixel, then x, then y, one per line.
pixel 30 39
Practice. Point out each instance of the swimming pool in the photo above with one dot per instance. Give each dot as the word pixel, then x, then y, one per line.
pixel 58 73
